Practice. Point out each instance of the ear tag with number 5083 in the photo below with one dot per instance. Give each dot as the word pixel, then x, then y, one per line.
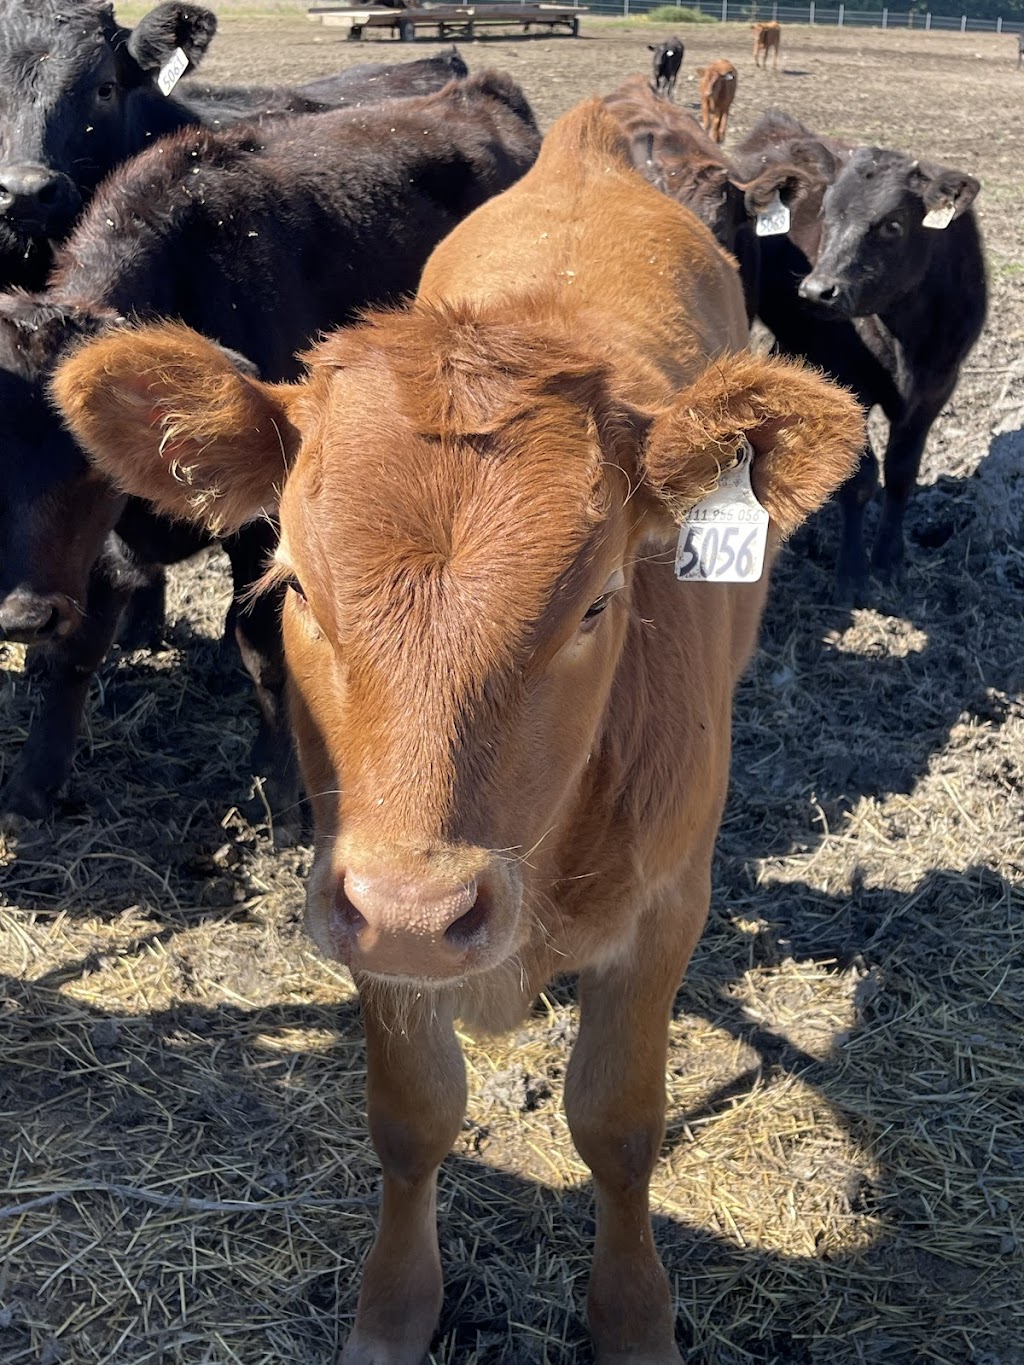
pixel 723 537
pixel 774 220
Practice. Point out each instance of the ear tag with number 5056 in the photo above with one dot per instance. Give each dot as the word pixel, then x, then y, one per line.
pixel 172 71
pixel 774 220
pixel 723 537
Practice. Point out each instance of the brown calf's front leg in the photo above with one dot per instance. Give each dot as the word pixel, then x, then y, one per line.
pixel 416 1097
pixel 615 1103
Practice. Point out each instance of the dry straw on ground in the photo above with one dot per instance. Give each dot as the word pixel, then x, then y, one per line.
pixel 187 1176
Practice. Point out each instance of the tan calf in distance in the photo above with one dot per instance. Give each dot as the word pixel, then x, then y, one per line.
pixel 767 38
pixel 513 720
pixel 717 92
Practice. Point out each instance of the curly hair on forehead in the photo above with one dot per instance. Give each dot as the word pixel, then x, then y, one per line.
pixel 457 374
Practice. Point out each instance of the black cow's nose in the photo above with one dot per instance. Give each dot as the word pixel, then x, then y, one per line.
pixel 35 192
pixel 29 619
pixel 819 290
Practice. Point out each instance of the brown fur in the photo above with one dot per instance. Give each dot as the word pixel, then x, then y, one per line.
pixel 767 38
pixel 467 479
pixel 717 91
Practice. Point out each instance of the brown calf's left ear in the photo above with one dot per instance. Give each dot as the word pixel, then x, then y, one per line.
pixel 806 433
pixel 943 187
pixel 168 417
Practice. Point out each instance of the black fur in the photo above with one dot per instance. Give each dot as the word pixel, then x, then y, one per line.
pixel 260 238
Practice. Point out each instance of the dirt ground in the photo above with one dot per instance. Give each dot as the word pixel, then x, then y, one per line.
pixel 182 1138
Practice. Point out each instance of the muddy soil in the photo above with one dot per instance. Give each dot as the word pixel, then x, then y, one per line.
pixel 188 1177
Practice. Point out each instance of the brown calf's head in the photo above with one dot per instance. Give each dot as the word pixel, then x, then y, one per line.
pixel 463 500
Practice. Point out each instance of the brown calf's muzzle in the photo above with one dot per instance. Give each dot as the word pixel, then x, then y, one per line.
pixel 415 917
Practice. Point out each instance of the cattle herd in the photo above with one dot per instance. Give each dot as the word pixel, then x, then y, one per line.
pixel 456 524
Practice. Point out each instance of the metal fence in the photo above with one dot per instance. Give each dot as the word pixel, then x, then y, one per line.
pixel 731 11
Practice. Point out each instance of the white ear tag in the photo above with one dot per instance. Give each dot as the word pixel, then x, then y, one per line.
pixel 773 220
pixel 723 537
pixel 940 217
pixel 172 71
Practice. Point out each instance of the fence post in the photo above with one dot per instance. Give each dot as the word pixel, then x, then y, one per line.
pixel 885 18
pixel 725 11
pixel 928 20
pixel 625 9
pixel 811 18
pixel 999 24
pixel 839 23
pixel 963 23
pixel 775 9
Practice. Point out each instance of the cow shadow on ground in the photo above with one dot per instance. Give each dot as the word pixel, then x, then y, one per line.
pixel 843 706
pixel 143 1140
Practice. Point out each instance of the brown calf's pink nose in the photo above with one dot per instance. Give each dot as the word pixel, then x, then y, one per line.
pixel 416 928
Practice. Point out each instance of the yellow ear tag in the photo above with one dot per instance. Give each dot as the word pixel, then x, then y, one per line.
pixel 723 537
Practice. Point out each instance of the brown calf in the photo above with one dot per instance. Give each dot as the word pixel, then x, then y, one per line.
pixel 717 92
pixel 767 38
pixel 512 720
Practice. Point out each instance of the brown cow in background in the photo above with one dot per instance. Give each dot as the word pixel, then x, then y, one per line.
pixel 513 721
pixel 717 92
pixel 767 38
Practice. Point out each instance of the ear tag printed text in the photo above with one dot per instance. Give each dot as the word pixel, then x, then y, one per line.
pixel 774 220
pixel 940 217
pixel 723 537
pixel 172 71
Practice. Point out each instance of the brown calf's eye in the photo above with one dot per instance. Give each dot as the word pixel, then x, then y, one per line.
pixel 293 585
pixel 596 608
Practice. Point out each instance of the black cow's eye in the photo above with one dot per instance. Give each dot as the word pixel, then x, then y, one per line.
pixel 106 90
pixel 891 228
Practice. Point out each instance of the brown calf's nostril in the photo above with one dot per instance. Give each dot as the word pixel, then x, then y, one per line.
pixel 347 915
pixel 468 929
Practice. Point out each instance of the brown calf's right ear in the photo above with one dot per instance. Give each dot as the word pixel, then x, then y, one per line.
pixel 806 433
pixel 166 416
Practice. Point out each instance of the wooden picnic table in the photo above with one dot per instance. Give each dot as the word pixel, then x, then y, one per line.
pixel 451 21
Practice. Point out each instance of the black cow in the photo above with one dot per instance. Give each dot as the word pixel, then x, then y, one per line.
pixel 673 152
pixel 667 60
pixel 79 94
pixel 881 282
pixel 369 82
pixel 260 239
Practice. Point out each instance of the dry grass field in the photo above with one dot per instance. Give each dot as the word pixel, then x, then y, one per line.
pixel 186 1173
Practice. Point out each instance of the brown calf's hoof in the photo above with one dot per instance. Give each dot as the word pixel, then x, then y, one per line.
pixel 359 1350
pixel 670 1356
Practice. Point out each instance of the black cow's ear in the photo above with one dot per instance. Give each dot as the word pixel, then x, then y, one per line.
pixel 241 362
pixel 945 192
pixel 172 25
pixel 788 182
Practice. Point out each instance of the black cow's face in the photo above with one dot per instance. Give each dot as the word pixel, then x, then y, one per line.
pixel 78 95
pixel 55 510
pixel 879 221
